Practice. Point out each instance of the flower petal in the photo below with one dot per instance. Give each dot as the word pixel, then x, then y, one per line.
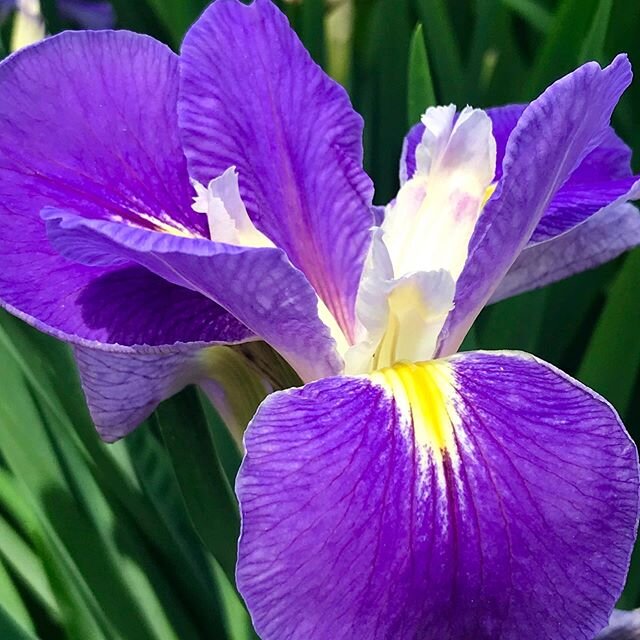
pixel 603 180
pixel 554 134
pixel 252 97
pixel 260 287
pixel 79 121
pixel 601 238
pixel 122 390
pixel 490 497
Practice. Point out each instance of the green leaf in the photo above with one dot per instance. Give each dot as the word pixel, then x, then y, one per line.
pixel 141 16
pixel 177 15
pixel 533 12
pixel 11 601
pixel 190 568
pixel 447 64
pixel 561 49
pixel 593 45
pixel 514 323
pixel 10 628
pixel 312 29
pixel 612 360
pixel 420 86
pixel 207 495
pixel 481 59
pixel 26 565
pixel 384 92
pixel 571 309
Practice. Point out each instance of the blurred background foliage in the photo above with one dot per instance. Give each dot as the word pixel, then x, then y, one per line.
pixel 136 541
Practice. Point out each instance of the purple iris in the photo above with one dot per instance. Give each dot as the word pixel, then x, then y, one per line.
pixel 88 14
pixel 154 206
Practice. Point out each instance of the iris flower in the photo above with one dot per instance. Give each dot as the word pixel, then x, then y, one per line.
pixel 156 205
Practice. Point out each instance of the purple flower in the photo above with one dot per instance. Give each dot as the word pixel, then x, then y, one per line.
pixel 154 206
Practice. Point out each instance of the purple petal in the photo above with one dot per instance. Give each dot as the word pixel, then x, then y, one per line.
pixel 578 201
pixel 252 97
pixel 623 625
pixel 601 238
pixel 518 524
pixel 132 306
pixel 603 179
pixel 552 137
pixel 79 122
pixel 122 390
pixel 123 387
pixel 260 287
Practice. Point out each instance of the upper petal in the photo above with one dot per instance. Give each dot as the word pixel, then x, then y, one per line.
pixel 123 389
pixel 80 116
pixel 553 135
pixel 260 287
pixel 487 497
pixel 603 237
pixel 600 183
pixel 252 97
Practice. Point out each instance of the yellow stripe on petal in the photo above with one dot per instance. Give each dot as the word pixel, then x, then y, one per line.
pixel 423 394
pixel 489 191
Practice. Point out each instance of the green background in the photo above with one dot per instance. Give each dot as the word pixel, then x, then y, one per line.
pixel 136 541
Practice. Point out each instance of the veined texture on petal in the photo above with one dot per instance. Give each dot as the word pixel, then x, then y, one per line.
pixel 79 121
pixel 555 133
pixel 123 389
pixel 603 237
pixel 252 97
pixel 484 497
pixel 587 219
pixel 259 287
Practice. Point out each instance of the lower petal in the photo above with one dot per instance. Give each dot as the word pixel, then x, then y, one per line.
pixel 505 509
pixel 123 389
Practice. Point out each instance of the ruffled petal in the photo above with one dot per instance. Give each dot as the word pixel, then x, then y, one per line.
pixel 487 496
pixel 553 136
pixel 601 238
pixel 122 390
pixel 252 97
pixel 601 182
pixel 79 120
pixel 260 287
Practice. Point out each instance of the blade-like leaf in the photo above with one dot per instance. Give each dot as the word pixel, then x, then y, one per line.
pixel 533 12
pixel 561 48
pixel 10 627
pixel 208 498
pixel 420 89
pixel 612 360
pixel 447 64
pixel 593 45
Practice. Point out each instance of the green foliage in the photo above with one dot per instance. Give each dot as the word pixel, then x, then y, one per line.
pixel 137 540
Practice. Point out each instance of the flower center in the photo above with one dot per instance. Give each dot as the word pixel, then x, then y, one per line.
pixel 420 250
